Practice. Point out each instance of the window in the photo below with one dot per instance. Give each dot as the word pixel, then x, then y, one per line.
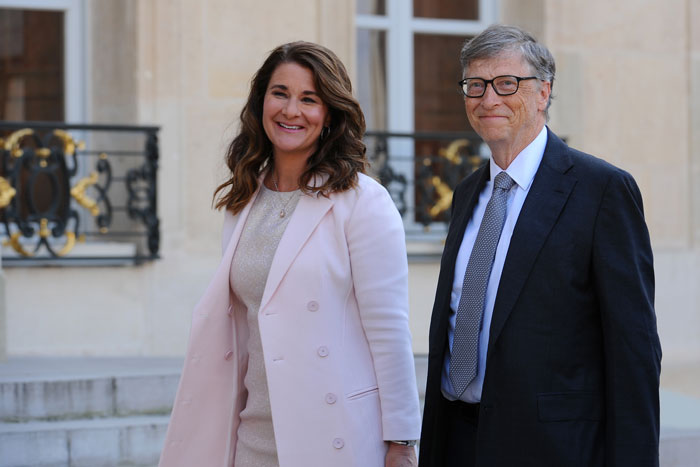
pixel 42 50
pixel 31 65
pixel 407 70
pixel 58 190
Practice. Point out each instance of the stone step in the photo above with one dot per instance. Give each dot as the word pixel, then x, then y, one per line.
pixel 109 442
pixel 134 397
pixel 66 388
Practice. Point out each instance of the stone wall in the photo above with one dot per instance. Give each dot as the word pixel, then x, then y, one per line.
pixel 627 90
pixel 183 65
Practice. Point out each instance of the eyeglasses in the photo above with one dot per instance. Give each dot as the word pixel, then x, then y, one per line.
pixel 503 85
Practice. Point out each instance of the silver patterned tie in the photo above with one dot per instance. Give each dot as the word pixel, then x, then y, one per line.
pixel 465 345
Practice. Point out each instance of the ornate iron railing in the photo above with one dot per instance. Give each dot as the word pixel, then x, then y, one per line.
pixel 77 194
pixel 421 170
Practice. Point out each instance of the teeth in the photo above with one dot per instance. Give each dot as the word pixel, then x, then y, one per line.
pixel 290 127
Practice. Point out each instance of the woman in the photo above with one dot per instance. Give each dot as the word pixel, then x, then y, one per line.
pixel 300 353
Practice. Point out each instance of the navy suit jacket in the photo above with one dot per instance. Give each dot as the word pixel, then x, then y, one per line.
pixel 573 361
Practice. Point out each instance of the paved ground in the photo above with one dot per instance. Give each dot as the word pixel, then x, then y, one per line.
pixel 680 394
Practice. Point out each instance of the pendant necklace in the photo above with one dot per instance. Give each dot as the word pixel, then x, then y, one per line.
pixel 283 210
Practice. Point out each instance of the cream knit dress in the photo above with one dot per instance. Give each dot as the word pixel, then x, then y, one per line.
pixel 249 270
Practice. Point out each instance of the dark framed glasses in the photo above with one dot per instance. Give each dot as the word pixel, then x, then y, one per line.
pixel 504 85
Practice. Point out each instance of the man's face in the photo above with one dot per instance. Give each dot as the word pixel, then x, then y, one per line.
pixel 509 121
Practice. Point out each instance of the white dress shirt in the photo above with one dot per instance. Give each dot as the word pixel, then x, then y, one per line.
pixel 522 170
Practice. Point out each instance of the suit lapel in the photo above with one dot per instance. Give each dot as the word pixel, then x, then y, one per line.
pixel 548 195
pixel 463 213
pixel 308 213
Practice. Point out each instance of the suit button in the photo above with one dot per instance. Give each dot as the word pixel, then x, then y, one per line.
pixel 330 398
pixel 322 351
pixel 312 305
pixel 228 355
pixel 338 443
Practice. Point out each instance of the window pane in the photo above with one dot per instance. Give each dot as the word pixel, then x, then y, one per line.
pixel 439 105
pixel 371 77
pixel 31 65
pixel 371 7
pixel 446 9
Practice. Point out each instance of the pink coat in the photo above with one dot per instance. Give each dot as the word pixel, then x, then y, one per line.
pixel 334 328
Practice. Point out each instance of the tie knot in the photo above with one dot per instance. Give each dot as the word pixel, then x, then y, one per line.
pixel 503 181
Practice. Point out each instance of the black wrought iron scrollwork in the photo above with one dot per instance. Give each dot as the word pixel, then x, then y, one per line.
pixel 395 183
pixel 439 172
pixel 432 168
pixel 36 169
pixel 53 190
pixel 104 218
pixel 141 186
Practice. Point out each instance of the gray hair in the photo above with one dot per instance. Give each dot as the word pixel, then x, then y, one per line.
pixel 497 39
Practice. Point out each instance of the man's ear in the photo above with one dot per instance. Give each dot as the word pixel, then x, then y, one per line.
pixel 545 92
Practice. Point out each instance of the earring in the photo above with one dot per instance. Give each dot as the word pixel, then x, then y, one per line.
pixel 325 131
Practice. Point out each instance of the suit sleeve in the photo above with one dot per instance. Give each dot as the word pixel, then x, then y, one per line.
pixel 624 279
pixel 377 248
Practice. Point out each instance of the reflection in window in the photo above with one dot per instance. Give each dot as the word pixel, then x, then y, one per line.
pixel 371 7
pixel 438 102
pixel 446 9
pixel 371 77
pixel 31 65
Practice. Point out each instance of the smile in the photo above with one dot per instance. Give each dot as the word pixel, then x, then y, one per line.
pixel 289 127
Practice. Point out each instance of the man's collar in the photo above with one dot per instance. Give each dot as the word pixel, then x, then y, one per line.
pixel 524 167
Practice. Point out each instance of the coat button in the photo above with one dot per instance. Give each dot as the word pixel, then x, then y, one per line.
pixel 228 355
pixel 312 305
pixel 330 398
pixel 338 443
pixel 322 351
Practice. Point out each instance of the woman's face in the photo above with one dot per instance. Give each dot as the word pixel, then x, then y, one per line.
pixel 293 114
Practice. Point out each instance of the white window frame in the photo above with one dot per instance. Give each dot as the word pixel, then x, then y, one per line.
pixel 400 27
pixel 74 50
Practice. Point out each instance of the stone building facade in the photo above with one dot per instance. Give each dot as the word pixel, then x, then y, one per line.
pixel 627 90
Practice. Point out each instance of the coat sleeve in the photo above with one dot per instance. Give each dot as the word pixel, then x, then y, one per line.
pixel 379 267
pixel 624 279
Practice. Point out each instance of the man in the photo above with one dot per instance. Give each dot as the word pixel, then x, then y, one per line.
pixel 543 342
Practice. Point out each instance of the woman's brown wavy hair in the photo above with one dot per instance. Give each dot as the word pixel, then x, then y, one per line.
pixel 340 154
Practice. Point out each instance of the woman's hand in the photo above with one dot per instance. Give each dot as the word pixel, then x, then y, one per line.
pixel 401 456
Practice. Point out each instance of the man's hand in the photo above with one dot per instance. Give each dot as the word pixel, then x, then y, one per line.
pixel 401 456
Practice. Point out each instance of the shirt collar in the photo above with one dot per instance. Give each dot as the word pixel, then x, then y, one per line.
pixel 524 167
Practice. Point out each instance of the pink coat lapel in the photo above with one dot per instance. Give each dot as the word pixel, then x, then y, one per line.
pixel 307 215
pixel 218 291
